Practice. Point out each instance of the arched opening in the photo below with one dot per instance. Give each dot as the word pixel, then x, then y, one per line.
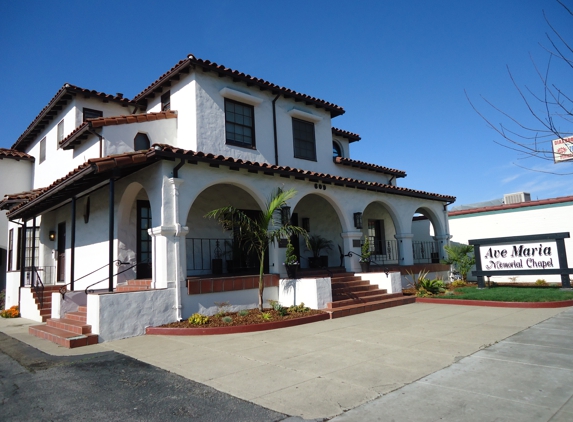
pixel 211 249
pixel 425 246
pixel 134 241
pixel 141 142
pixel 379 228
pixel 336 149
pixel 318 216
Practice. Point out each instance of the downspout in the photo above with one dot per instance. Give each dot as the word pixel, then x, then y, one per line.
pixel 22 254
pixel 177 234
pixel 73 244
pixel 275 130
pixel 33 261
pixel 100 141
pixel 111 223
pixel 391 179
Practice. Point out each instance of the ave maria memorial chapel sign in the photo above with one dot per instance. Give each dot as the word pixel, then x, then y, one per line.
pixel 522 255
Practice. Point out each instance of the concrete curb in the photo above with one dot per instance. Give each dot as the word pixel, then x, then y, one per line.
pixel 530 305
pixel 163 331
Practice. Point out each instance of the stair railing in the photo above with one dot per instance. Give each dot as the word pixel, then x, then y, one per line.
pixel 64 290
pixel 88 290
pixel 38 289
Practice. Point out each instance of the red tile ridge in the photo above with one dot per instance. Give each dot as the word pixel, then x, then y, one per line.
pixel 367 166
pixel 191 60
pixel 65 89
pixel 352 137
pixel 550 201
pixel 14 154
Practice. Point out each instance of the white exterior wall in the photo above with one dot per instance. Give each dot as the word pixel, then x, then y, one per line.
pixel 120 138
pixel 60 162
pixel 122 315
pixel 15 177
pixel 315 293
pixel 553 218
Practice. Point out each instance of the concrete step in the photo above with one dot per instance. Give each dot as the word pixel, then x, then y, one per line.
pixel 76 327
pixel 342 295
pixel 368 307
pixel 362 300
pixel 77 316
pixel 62 337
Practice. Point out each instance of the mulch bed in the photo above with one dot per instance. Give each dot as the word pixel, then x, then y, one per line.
pixel 253 317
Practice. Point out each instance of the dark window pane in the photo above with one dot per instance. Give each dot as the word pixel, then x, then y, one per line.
pixel 304 141
pixel 239 124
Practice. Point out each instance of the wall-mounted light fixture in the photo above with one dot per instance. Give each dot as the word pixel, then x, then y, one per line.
pixel 358 220
pixel 285 215
pixel 306 224
pixel 52 235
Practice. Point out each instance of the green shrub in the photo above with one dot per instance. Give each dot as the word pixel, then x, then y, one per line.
pixel 282 311
pixel 227 319
pixel 432 286
pixel 541 282
pixel 243 312
pixel 458 283
pixel 298 308
pixel 198 319
pixel 266 316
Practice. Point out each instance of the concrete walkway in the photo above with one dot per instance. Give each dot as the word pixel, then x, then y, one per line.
pixel 323 369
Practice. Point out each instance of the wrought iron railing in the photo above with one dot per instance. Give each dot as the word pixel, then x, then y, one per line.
pixel 425 252
pixel 119 263
pixel 34 280
pixel 388 254
pixel 217 256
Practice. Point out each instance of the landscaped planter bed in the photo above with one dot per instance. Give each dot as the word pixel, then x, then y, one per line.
pixel 251 322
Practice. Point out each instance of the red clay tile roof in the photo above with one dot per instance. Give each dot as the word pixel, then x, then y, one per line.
pixel 168 151
pixel 367 166
pixel 549 201
pixel 192 61
pixel 81 132
pixel 352 137
pixel 49 112
pixel 16 155
pixel 97 170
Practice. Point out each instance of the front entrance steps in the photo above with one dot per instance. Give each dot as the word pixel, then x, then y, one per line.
pixel 133 286
pixel 45 306
pixel 352 295
pixel 71 331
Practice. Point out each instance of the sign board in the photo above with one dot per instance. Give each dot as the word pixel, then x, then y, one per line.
pixel 562 149
pixel 522 255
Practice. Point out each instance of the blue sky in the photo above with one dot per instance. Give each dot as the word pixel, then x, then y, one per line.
pixel 399 69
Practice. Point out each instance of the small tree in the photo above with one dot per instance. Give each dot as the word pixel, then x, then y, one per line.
pixel 258 233
pixel 461 257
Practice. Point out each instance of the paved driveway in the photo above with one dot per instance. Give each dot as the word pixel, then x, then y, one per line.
pixel 323 369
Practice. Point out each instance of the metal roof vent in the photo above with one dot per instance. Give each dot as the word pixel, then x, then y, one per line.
pixel 516 198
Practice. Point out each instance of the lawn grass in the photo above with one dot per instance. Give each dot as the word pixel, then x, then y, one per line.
pixel 511 294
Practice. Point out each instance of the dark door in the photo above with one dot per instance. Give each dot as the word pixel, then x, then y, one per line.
pixel 61 252
pixel 143 240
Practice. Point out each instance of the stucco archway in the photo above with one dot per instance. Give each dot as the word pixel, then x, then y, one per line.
pixel 380 224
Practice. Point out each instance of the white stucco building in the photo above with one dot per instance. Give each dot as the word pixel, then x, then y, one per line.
pixel 520 218
pixel 127 182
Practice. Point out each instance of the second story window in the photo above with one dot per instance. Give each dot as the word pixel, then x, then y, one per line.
pixel 42 150
pixel 166 101
pixel 336 149
pixel 304 141
pixel 239 124
pixel 92 114
pixel 141 142
pixel 60 132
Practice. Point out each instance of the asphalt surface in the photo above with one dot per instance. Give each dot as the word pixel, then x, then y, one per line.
pixel 108 386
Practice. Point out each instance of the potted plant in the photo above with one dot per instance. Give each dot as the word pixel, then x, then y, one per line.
pixel 316 244
pixel 365 256
pixel 291 261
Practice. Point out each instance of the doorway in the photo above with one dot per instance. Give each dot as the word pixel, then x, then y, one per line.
pixel 144 266
pixel 61 270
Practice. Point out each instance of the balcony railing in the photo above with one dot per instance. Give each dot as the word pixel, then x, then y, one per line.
pixel 423 253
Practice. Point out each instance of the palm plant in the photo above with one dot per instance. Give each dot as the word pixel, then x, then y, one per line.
pixel 258 233
pixel 461 257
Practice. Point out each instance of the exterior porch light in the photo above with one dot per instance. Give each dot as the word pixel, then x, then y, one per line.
pixel 52 235
pixel 285 215
pixel 358 220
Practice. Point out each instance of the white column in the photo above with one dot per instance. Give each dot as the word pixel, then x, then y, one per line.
pixel 405 248
pixel 443 240
pixel 352 242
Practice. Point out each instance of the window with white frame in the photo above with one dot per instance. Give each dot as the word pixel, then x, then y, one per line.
pixel 43 150
pixel 60 132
